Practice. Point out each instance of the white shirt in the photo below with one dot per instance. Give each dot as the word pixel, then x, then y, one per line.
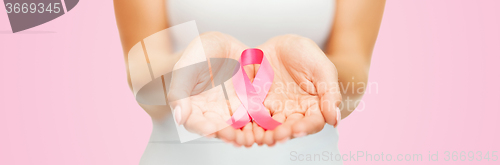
pixel 255 21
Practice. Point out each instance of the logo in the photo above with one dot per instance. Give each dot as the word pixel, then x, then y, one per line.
pixel 26 14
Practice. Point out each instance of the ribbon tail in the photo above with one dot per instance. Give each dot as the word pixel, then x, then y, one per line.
pixel 268 123
pixel 263 118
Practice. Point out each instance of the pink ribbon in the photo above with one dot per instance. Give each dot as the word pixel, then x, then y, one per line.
pixel 252 94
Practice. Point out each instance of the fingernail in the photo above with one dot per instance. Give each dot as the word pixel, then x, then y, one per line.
pixel 177 113
pixel 301 134
pixel 236 145
pixel 339 117
pixel 283 140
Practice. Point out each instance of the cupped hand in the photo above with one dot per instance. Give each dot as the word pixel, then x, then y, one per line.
pixel 304 95
pixel 198 103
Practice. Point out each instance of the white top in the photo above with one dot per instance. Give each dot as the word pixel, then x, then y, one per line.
pixel 252 22
pixel 255 21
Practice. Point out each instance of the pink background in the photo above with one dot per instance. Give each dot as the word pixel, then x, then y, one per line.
pixel 65 100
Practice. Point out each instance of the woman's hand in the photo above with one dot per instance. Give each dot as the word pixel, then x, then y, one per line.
pixel 305 92
pixel 303 97
pixel 198 103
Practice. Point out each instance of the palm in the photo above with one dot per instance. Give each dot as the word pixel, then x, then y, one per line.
pixel 209 109
pixel 294 97
pixel 291 87
pixel 198 90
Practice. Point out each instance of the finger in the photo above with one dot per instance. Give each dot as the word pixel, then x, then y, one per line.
pixel 284 132
pixel 312 123
pixel 225 132
pixel 258 132
pixel 197 123
pixel 183 81
pixel 181 109
pixel 240 138
pixel 329 107
pixel 249 138
pixel 268 138
pixel 328 92
pixel 269 134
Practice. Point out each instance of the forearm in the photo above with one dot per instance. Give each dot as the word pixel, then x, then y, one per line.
pixel 136 20
pixel 353 76
pixel 150 57
pixel 350 46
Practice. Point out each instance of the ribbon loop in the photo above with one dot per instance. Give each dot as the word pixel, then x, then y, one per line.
pixel 253 94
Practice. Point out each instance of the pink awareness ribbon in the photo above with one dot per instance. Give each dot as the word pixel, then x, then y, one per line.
pixel 252 94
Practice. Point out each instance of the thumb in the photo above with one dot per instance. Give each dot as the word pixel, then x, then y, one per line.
pixel 183 81
pixel 327 86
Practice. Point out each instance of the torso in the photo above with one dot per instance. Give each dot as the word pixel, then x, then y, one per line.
pixel 255 21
